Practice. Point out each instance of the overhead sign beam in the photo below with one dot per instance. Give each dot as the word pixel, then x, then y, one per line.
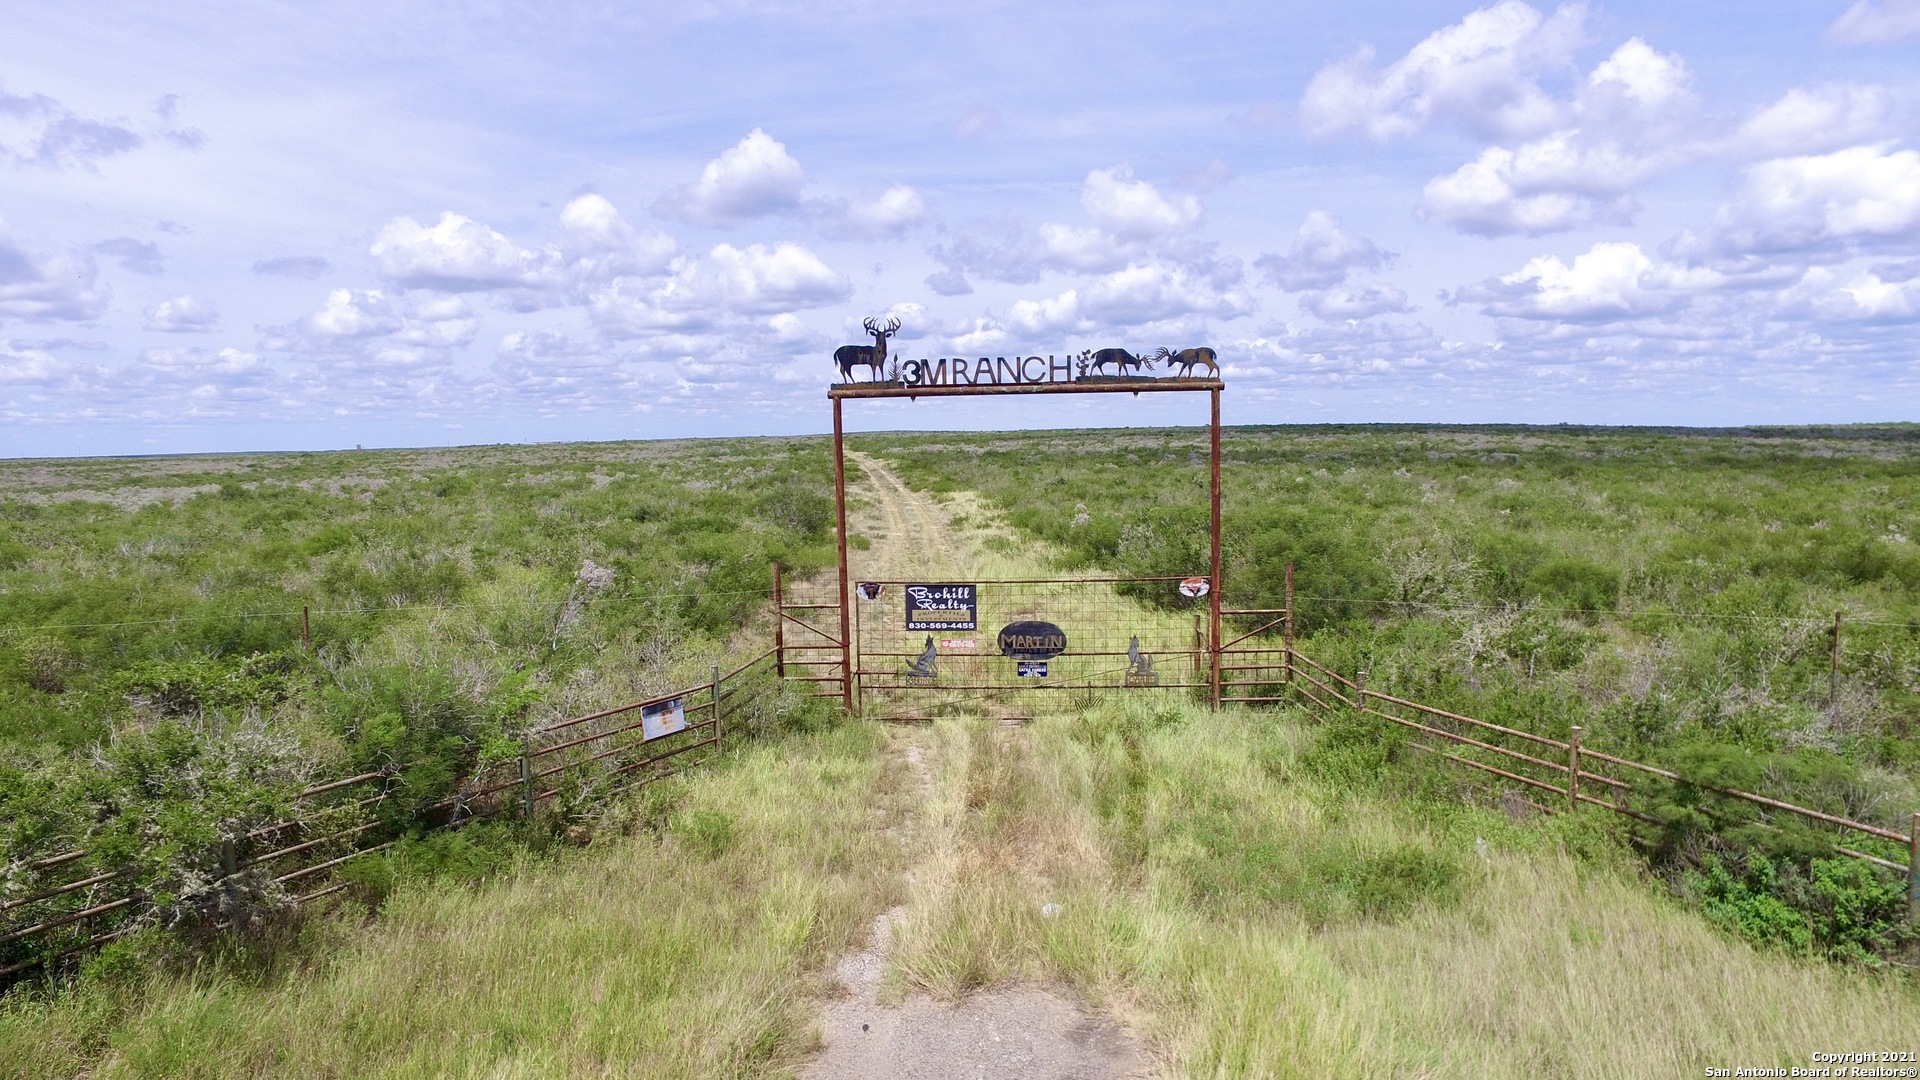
pixel 1114 385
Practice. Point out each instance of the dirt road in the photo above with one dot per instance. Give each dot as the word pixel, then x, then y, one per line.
pixel 1009 1032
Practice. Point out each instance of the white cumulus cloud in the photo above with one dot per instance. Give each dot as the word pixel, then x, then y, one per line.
pixel 1862 196
pixel 455 254
pixel 183 315
pixel 1609 282
pixel 727 281
pixel 1322 255
pixel 368 329
pixel 1481 71
pixel 24 365
pixel 1144 293
pixel 894 211
pixel 1133 222
pixel 753 178
pixel 1827 295
pixel 1135 209
pixel 53 288
pixel 1629 121
pixel 1812 120
pixel 202 365
pixel 1872 22
pixel 37 130
pixel 1355 302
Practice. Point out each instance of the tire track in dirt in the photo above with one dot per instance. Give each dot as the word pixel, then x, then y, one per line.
pixel 1020 1031
pixel 918 540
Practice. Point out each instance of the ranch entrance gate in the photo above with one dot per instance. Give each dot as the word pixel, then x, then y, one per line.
pixel 909 649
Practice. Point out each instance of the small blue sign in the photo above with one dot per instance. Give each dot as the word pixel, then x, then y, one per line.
pixel 1031 669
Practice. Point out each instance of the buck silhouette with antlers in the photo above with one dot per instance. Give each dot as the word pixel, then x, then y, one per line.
pixel 1186 359
pixel 872 356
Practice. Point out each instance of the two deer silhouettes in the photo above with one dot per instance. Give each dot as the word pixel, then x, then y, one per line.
pixel 874 356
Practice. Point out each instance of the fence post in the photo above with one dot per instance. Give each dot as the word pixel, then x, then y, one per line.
pixel 306 628
pixel 1833 673
pixel 1216 593
pixel 1287 668
pixel 716 704
pixel 1913 870
pixel 1359 690
pixel 1573 770
pixel 779 626
pixel 526 780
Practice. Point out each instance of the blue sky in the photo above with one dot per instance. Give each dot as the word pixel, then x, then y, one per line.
pixel 280 226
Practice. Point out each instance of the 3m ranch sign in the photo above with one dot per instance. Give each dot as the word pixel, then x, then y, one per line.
pixel 942 607
pixel 997 371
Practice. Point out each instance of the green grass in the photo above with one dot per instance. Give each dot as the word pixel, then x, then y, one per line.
pixel 1670 592
pixel 1254 918
pixel 155 692
pixel 1256 893
pixel 683 942
pixel 120 576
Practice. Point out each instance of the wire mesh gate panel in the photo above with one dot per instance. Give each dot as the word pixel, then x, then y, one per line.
pixel 916 662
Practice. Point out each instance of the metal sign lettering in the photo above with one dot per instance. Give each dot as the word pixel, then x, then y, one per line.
pixel 1032 640
pixel 942 607
pixel 994 371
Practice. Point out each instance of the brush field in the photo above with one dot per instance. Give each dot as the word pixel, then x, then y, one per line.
pixel 1253 893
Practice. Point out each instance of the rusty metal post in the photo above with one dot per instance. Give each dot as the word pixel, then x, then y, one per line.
pixel 1288 630
pixel 1214 530
pixel 1833 673
pixel 779 626
pixel 306 628
pixel 1913 871
pixel 526 780
pixel 716 704
pixel 840 511
pixel 1573 770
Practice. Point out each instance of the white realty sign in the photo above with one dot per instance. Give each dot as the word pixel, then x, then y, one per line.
pixel 663 719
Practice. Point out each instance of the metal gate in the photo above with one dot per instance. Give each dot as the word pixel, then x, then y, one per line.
pixel 990 644
pixel 1256 653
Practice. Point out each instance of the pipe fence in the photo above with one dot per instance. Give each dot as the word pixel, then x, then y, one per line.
pixel 1570 774
pixel 78 900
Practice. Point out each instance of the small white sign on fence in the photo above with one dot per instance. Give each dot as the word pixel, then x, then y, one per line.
pixel 663 719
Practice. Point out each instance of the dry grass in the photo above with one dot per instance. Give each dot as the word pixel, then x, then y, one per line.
pixel 1204 874
pixel 1257 960
pixel 687 952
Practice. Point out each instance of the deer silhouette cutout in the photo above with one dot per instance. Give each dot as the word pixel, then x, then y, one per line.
pixel 1121 359
pixel 872 356
pixel 1187 359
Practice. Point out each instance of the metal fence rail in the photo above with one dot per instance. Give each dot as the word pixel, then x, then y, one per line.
pixel 77 902
pixel 1563 769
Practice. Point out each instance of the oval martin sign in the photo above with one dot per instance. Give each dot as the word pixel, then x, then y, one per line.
pixel 1032 640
